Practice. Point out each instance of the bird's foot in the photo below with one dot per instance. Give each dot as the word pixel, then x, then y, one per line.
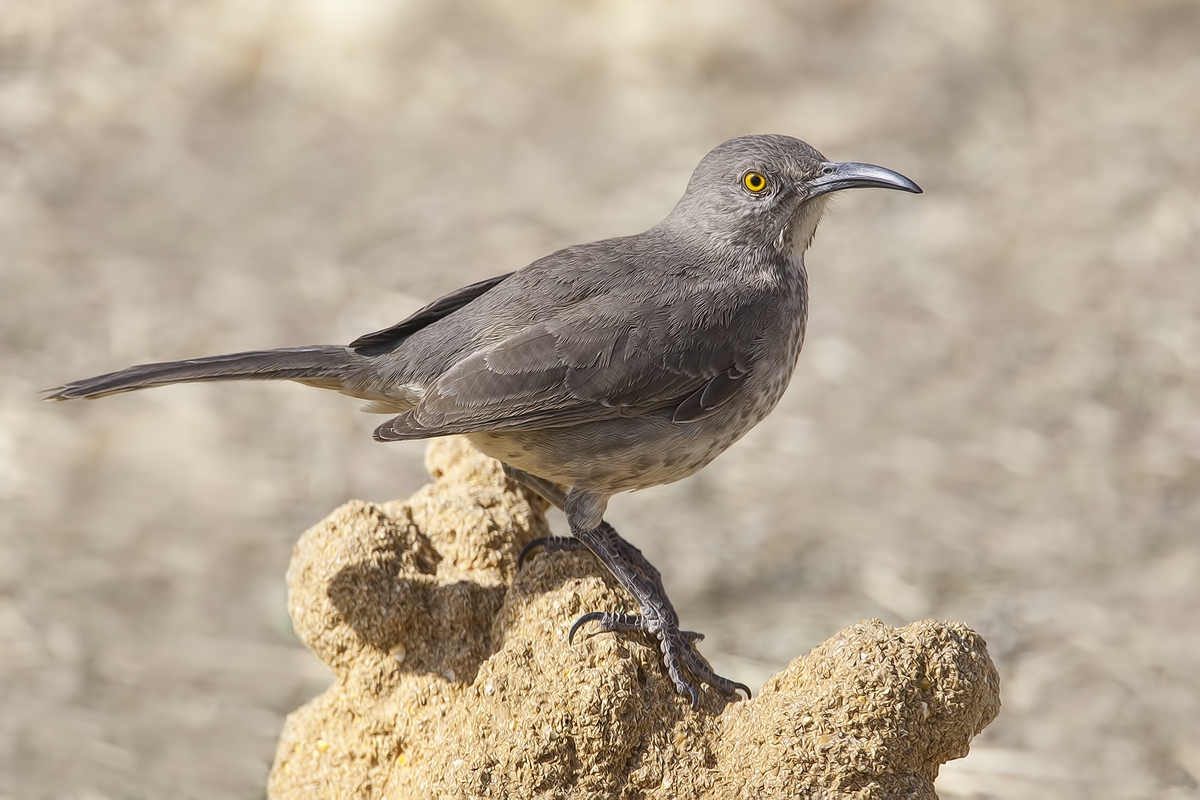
pixel 677 646
pixel 640 578
pixel 658 619
pixel 611 621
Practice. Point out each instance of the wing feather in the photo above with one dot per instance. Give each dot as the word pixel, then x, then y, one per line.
pixel 711 396
pixel 592 362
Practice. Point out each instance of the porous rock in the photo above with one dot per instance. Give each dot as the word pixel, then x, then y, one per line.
pixel 454 677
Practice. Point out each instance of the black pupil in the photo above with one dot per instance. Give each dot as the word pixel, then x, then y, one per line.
pixel 756 181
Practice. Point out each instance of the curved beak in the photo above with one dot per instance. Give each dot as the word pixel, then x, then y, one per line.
pixel 837 175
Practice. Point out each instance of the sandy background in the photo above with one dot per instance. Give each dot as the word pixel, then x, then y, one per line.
pixel 996 418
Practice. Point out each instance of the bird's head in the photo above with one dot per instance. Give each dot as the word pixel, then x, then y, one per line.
pixel 769 191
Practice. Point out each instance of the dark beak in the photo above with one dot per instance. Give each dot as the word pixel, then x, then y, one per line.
pixel 837 175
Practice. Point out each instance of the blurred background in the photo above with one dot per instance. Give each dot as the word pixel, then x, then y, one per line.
pixel 996 418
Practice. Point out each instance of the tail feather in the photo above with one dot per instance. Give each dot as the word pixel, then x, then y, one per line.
pixel 327 366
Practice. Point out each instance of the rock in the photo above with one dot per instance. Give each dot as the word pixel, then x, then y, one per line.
pixel 455 679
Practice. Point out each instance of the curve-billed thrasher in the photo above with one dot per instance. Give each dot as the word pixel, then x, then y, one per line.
pixel 604 367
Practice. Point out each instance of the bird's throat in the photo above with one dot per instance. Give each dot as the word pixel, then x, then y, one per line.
pixel 796 236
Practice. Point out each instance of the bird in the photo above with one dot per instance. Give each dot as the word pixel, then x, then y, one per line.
pixel 602 368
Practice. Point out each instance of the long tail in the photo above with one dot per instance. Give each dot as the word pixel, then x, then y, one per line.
pixel 327 366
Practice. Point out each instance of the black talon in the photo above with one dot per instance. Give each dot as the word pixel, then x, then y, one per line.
pixel 530 547
pixel 701 670
pixel 552 544
pixel 591 616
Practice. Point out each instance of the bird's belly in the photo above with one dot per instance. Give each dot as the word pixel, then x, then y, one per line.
pixel 609 456
pixel 621 455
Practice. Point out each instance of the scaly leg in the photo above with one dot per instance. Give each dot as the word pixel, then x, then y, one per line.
pixel 562 544
pixel 638 577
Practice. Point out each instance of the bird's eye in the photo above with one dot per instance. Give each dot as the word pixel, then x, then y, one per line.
pixel 755 182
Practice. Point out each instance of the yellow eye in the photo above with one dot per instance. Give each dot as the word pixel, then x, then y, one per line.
pixel 755 182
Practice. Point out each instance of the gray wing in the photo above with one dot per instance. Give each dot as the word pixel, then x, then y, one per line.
pixel 597 360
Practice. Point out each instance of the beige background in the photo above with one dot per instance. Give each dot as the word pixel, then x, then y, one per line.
pixel 996 418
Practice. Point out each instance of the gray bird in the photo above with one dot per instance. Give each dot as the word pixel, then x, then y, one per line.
pixel 604 367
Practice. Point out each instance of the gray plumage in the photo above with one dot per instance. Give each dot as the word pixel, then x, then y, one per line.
pixel 603 367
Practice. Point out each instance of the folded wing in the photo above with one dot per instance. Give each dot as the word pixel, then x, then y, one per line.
pixel 592 362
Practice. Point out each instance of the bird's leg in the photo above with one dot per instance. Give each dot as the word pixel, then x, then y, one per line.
pixel 559 544
pixel 552 492
pixel 554 495
pixel 641 579
pixel 564 544
pixel 658 617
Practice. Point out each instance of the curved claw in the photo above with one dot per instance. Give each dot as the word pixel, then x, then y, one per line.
pixel 734 686
pixel 702 671
pixel 591 616
pixel 673 670
pixel 552 544
pixel 674 651
pixel 530 547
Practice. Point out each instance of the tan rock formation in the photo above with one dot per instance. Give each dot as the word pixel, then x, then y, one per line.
pixel 455 679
